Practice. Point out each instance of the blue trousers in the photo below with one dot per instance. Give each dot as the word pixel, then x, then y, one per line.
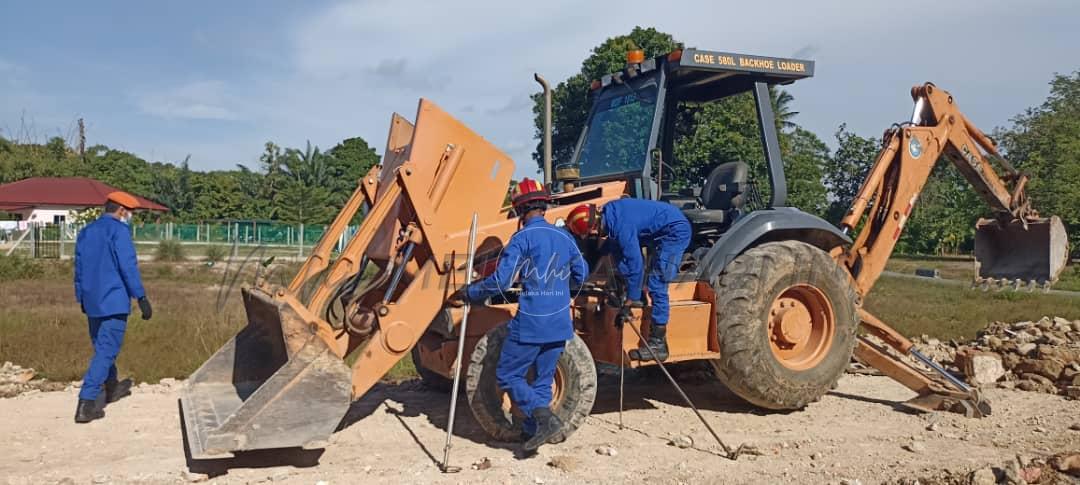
pixel 511 374
pixel 666 258
pixel 107 335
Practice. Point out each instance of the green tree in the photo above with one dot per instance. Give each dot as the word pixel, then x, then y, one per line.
pixel 806 158
pixel 844 175
pixel 346 163
pixel 1044 141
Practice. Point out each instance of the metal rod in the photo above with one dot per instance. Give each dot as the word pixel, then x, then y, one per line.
pixel 622 372
pixel 401 269
pixel 548 182
pixel 446 468
pixel 940 370
pixel 732 454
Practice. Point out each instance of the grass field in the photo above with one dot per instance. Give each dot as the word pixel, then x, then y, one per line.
pixel 196 310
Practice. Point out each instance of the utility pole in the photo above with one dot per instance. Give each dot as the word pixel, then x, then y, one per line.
pixel 82 140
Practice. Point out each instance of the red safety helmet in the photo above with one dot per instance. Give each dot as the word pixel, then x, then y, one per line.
pixel 528 190
pixel 582 219
pixel 123 199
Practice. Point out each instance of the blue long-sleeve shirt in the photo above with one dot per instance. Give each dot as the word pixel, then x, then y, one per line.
pixel 546 260
pixel 106 268
pixel 630 224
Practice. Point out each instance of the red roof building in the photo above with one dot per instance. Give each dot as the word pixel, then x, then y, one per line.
pixel 50 199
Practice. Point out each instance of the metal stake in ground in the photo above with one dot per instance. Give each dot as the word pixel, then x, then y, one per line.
pixel 446 468
pixel 731 454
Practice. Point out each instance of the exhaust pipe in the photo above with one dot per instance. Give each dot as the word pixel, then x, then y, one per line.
pixel 547 129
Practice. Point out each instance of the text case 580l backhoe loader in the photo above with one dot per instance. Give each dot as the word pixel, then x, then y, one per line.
pixel 770 296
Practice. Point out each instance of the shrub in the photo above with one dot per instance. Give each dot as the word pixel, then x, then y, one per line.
pixel 169 251
pixel 215 253
pixel 19 268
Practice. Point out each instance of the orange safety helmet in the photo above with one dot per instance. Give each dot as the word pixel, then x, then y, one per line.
pixel 582 219
pixel 528 190
pixel 123 199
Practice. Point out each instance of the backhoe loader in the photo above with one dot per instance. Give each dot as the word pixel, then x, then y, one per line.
pixel 768 294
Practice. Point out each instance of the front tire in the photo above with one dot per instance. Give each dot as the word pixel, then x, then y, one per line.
pixel 572 395
pixel 786 319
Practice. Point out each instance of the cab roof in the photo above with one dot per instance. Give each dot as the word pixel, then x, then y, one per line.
pixel 700 75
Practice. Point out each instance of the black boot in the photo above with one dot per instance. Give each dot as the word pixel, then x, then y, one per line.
pixel 657 340
pixel 116 390
pixel 548 426
pixel 87 411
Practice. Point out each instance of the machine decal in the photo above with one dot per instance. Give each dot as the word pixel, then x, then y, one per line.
pixel 915 147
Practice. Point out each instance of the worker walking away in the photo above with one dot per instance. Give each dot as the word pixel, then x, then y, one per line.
pixel 547 262
pixel 627 225
pixel 106 279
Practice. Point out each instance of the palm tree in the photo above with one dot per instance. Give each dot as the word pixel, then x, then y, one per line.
pixel 782 109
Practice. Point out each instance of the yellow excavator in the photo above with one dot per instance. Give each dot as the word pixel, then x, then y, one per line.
pixel 770 295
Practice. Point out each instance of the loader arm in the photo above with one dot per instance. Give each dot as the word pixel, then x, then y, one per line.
pixel 1015 245
pixel 284 380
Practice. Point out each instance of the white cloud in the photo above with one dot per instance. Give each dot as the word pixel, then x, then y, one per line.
pixel 201 100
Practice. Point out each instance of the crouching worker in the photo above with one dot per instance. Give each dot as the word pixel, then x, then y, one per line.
pixel 627 225
pixel 106 279
pixel 547 262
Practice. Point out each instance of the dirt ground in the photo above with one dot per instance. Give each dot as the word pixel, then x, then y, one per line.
pixel 396 433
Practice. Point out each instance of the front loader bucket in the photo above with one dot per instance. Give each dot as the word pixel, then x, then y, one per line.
pixel 274 385
pixel 1012 253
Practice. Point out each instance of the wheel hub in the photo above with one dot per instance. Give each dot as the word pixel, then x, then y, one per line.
pixel 800 327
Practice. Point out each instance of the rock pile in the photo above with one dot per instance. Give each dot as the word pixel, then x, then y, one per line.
pixel 1042 356
pixel 1062 468
pixel 15 380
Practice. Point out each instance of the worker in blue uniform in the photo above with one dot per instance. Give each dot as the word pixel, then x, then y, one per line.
pixel 106 280
pixel 627 225
pixel 546 260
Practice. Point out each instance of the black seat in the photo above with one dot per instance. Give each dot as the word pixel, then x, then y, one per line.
pixel 725 187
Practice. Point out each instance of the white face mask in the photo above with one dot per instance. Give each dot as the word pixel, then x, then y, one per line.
pixel 126 219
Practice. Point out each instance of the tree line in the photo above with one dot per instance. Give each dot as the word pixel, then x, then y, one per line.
pixel 308 185
pixel 293 185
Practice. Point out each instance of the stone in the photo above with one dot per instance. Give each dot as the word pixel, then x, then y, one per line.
pixel 1044 323
pixel 1052 339
pixel 1048 368
pixel 1067 463
pixel 1075 426
pixel 681 441
pixel 607 451
pixel 168 381
pixel 980 367
pixel 1064 354
pixel 982 476
pixel 994 343
pixel 850 481
pixel 1031 474
pixel 482 464
pixel 1022 325
pixel 1061 324
pixel 192 477
pixel 1026 348
pixel 565 463
pixel 915 447
pixel 1009 361
pixel 1072 391
pixel 1031 385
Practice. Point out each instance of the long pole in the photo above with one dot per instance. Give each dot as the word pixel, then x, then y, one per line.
pixel 446 468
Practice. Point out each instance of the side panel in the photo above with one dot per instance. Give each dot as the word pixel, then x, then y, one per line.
pixel 758 225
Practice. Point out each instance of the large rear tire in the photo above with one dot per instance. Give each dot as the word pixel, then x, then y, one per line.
pixel 572 395
pixel 786 319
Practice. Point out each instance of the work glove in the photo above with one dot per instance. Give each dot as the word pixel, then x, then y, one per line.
pixel 456 299
pixel 626 313
pixel 145 308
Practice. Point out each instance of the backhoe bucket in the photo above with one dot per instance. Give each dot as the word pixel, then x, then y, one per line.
pixel 274 385
pixel 1012 253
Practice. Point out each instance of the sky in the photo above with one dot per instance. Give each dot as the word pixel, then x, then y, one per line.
pixel 216 80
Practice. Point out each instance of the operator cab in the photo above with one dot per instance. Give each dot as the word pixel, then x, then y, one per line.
pixel 630 131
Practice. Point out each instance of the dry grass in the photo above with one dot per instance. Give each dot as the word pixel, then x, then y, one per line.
pixel 41 325
pixel 963 268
